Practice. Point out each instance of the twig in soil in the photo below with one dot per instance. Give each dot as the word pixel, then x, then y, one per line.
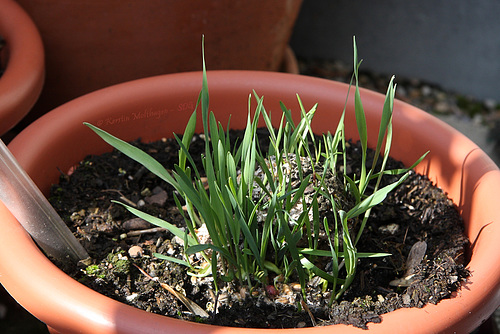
pixel 122 197
pixel 192 306
pixel 406 233
pixel 141 232
pixel 305 307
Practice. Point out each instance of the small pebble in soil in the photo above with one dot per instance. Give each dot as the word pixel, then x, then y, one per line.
pixel 158 197
pixel 135 251
pixel 136 224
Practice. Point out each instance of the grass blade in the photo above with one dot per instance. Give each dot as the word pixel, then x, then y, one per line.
pixel 136 154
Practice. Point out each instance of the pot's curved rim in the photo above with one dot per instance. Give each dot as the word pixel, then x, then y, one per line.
pixel 22 81
pixel 457 165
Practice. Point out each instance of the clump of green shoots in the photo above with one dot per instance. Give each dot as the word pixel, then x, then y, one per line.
pixel 247 205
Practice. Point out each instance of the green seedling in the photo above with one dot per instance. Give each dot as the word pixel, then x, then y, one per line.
pixel 263 221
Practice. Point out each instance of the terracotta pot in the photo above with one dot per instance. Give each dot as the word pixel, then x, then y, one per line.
pixel 22 60
pixel 95 44
pixel 155 107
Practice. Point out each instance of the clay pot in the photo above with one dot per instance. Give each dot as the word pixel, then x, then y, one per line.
pixel 95 44
pixel 155 107
pixel 22 60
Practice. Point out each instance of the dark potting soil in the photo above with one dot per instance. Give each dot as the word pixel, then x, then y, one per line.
pixel 418 224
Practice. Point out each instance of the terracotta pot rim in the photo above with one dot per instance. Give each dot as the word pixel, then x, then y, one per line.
pixel 22 81
pixel 468 312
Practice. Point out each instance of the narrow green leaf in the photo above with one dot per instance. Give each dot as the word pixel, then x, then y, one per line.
pixel 187 138
pixel 299 193
pixel 204 91
pixel 353 188
pixel 191 223
pixel 249 238
pixel 385 120
pixel 231 167
pixel 203 247
pixel 318 272
pixel 350 257
pixel 288 115
pixel 185 186
pixel 272 267
pixel 374 199
pixel 221 163
pixel 360 118
pixel 171 259
pixel 158 222
pixel 328 253
pixel 184 149
pixel 136 154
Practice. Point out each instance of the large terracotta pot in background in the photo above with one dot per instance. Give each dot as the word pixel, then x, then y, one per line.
pixel 22 60
pixel 155 107
pixel 95 44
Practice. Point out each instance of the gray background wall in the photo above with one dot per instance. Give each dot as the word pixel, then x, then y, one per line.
pixel 453 43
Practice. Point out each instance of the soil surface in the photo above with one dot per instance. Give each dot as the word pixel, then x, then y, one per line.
pixel 417 224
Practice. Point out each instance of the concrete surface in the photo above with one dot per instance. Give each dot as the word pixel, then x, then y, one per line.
pixel 455 43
